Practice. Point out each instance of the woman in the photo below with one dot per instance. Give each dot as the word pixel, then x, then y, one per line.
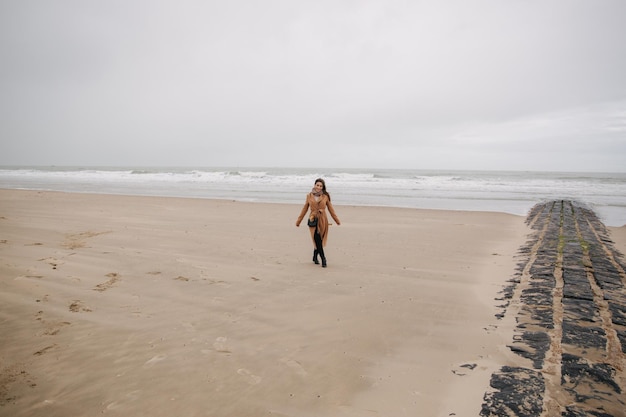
pixel 318 200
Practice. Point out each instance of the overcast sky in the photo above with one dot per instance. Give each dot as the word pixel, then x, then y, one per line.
pixel 499 84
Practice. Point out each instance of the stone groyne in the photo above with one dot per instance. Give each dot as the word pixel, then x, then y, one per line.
pixel 569 301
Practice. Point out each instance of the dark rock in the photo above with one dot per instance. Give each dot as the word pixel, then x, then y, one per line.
pixel 581 336
pixel 519 392
pixel 581 309
pixel 598 379
pixel 574 411
pixel 533 346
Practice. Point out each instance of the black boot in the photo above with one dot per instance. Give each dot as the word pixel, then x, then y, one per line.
pixel 315 257
pixel 320 247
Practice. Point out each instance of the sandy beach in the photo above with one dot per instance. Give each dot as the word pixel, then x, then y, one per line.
pixel 143 306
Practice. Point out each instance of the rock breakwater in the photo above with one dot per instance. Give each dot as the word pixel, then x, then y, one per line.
pixel 569 301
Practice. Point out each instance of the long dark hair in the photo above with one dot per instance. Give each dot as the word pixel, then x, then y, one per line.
pixel 323 187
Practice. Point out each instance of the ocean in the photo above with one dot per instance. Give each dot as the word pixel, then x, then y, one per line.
pixel 514 192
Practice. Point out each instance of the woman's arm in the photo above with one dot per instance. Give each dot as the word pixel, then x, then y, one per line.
pixel 331 210
pixel 303 212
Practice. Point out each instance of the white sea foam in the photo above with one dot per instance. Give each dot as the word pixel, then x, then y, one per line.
pixel 511 192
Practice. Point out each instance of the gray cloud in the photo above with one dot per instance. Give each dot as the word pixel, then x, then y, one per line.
pixel 448 84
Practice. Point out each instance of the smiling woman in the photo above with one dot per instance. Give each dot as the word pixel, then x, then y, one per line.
pixel 318 200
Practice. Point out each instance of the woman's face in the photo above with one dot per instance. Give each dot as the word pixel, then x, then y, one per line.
pixel 319 186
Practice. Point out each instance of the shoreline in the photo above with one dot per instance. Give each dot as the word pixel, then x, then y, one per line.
pixel 517 211
pixel 514 192
pixel 109 299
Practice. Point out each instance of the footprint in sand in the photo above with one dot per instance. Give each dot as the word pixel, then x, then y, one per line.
pixel 44 350
pixel 42 300
pixel 78 306
pixel 53 262
pixel 221 345
pixel 77 240
pixel 52 329
pixel 156 359
pixel 113 278
pixel 18 278
pixel 250 378
pixel 295 366
pixel 130 397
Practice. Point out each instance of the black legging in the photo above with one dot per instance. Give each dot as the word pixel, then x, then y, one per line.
pixel 318 243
